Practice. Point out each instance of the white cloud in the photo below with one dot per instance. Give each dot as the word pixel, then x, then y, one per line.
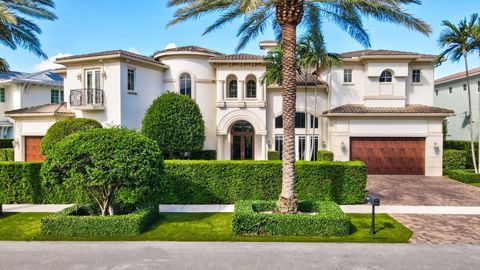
pixel 49 63
pixel 170 46
pixel 133 50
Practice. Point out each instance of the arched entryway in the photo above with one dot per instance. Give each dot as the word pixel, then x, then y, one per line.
pixel 242 141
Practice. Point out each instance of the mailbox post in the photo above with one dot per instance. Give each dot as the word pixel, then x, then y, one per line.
pixel 374 201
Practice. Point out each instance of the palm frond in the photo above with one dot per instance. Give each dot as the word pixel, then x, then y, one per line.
pixel 4 67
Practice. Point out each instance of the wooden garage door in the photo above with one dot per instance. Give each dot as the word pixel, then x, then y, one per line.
pixel 390 155
pixel 32 148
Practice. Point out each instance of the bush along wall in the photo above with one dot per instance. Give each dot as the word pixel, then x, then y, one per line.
pixel 7 154
pixel 465 176
pixel 6 143
pixel 204 155
pixel 324 155
pixel 454 160
pixel 203 182
pixel 79 220
pixel 463 145
pixel 273 155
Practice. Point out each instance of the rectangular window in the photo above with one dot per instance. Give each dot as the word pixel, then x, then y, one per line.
pixel 436 92
pixel 279 145
pixel 464 87
pixel 2 95
pixel 347 75
pixel 478 86
pixel 450 90
pixel 56 96
pixel 131 79
pixel 416 76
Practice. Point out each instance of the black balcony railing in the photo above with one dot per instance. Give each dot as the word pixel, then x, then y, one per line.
pixel 86 97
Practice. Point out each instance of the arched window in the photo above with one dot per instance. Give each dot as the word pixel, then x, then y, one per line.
pixel 232 91
pixel 251 89
pixel 242 126
pixel 186 84
pixel 386 76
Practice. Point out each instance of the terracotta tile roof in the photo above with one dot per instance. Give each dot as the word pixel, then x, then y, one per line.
pixel 46 110
pixel 383 53
pixel 411 109
pixel 458 75
pixel 237 57
pixel 120 53
pixel 310 80
pixel 188 48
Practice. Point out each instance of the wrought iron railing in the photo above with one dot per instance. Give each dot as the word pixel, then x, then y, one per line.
pixel 86 97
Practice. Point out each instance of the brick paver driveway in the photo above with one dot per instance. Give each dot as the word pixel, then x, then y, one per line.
pixel 422 190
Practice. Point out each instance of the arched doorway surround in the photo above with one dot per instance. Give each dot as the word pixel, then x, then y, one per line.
pixel 242 141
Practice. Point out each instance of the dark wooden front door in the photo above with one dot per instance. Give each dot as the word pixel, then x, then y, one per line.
pixel 390 155
pixel 32 148
pixel 243 141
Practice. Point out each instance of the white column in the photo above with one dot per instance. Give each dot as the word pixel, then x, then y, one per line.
pixel 241 91
pixel 260 87
pixel 264 151
pixel 219 147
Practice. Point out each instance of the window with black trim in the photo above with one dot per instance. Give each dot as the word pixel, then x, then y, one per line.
pixel 56 96
pixel 186 84
pixel 251 89
pixel 347 75
pixel 416 75
pixel 385 77
pixel 131 79
pixel 2 95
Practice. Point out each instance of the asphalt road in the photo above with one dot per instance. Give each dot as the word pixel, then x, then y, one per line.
pixel 182 255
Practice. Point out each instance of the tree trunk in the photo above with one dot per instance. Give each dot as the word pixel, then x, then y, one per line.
pixel 472 145
pixel 287 202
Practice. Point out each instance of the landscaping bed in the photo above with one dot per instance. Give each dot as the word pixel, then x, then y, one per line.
pixel 465 176
pixel 83 220
pixel 316 219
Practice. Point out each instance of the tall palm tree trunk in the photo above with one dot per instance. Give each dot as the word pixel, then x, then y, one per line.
pixel 288 201
pixel 472 145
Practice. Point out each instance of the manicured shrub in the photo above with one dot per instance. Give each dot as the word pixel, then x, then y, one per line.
pixel 273 155
pixel 7 154
pixel 204 155
pixel 324 155
pixel 463 145
pixel 80 221
pixel 102 161
pixel 20 182
pixel 454 160
pixel 465 176
pixel 203 182
pixel 176 123
pixel 62 129
pixel 6 143
pixel 329 220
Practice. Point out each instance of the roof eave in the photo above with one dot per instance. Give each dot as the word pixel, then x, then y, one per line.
pixel 387 114
pixel 69 60
pixel 237 61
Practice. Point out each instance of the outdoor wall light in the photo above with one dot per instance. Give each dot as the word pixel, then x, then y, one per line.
pixel 104 75
pixel 15 143
pixel 436 147
pixel 344 147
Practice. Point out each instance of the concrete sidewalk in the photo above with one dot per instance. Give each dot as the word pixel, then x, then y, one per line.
pixel 229 208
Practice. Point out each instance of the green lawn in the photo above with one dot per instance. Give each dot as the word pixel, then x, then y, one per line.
pixel 475 184
pixel 206 227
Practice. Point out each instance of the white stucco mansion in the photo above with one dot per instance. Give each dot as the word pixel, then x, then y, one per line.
pixel 376 107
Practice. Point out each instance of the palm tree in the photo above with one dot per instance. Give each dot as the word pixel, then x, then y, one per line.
pixel 457 41
pixel 285 16
pixel 17 28
pixel 476 46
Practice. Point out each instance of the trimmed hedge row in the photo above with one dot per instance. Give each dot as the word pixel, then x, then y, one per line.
pixel 465 176
pixel 204 182
pixel 273 155
pixel 7 154
pixel 454 160
pixel 6 143
pixel 79 221
pixel 462 145
pixel 329 219
pixel 324 155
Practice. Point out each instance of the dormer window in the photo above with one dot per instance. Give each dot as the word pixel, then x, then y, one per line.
pixel 385 77
pixel 186 84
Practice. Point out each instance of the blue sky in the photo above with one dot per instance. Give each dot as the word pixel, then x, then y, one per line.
pixel 86 26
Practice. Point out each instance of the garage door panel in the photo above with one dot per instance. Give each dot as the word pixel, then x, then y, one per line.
pixel 32 148
pixel 390 155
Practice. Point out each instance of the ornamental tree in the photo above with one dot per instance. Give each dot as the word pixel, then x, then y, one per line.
pixel 102 161
pixel 62 129
pixel 176 123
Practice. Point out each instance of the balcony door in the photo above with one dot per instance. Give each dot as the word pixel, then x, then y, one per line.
pixel 92 85
pixel 243 141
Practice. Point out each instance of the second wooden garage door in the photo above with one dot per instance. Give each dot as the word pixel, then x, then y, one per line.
pixel 32 148
pixel 390 155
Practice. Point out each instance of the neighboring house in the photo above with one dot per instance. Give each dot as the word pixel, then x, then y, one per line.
pixel 451 92
pixel 377 107
pixel 19 90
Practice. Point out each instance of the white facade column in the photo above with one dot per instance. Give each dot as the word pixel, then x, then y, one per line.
pixel 241 91
pixel 220 92
pixel 219 147
pixel 260 92
pixel 264 150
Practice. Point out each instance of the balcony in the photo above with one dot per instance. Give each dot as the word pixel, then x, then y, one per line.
pixel 87 99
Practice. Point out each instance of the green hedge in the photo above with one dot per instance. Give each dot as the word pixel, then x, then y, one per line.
pixel 329 219
pixel 6 143
pixel 465 176
pixel 324 155
pixel 20 182
pixel 205 182
pixel 7 154
pixel 273 155
pixel 79 221
pixel 204 155
pixel 463 145
pixel 454 160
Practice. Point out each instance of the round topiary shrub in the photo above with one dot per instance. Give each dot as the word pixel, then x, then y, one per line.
pixel 104 161
pixel 176 123
pixel 62 129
